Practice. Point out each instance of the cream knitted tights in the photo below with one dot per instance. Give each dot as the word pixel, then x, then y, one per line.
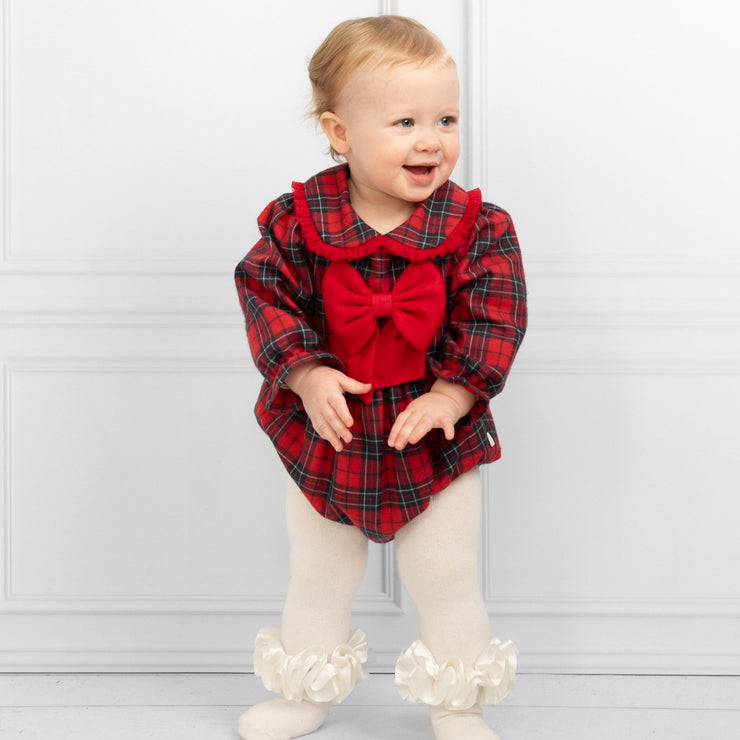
pixel 437 557
pixel 327 564
pixel 438 563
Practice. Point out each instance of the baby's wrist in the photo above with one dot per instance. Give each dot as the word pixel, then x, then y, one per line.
pixel 295 378
pixel 463 399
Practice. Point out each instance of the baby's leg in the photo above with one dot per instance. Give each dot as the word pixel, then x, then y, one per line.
pixel 438 563
pixel 327 564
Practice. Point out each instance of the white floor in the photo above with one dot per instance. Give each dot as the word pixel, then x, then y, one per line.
pixel 206 706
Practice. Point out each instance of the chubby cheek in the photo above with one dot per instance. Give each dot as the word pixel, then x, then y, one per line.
pixel 452 151
pixel 395 151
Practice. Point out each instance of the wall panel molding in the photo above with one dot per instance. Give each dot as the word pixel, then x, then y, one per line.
pixel 5 133
pixel 611 607
pixel 556 319
pixel 476 83
pixel 124 319
pixel 722 267
pixel 607 267
pixel 383 604
pixel 645 366
pixel 499 605
pixel 676 661
pixel 5 446
pixel 236 654
pixel 602 319
pixel 387 601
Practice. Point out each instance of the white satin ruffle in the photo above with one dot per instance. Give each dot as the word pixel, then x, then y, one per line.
pixel 314 673
pixel 419 678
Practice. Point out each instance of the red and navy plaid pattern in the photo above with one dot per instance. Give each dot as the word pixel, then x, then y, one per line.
pixel 368 484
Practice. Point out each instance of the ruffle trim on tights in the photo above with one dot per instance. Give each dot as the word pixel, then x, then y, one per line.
pixel 420 678
pixel 315 673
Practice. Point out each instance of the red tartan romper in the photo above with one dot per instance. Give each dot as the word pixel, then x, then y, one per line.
pixel 441 296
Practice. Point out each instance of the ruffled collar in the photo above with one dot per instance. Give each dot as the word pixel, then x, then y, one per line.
pixel 331 228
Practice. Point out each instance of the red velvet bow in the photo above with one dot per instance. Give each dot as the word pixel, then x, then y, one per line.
pixel 413 311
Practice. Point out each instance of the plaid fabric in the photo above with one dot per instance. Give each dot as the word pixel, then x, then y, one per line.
pixel 368 484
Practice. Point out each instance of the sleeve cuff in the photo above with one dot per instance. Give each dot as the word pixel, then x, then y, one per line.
pixel 279 394
pixel 454 376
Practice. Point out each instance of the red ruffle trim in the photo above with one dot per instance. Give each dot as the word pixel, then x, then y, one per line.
pixel 315 243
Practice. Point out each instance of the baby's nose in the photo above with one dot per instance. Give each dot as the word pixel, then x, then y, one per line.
pixel 428 142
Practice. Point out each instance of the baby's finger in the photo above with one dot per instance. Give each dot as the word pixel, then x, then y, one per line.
pixel 422 426
pixel 350 385
pixel 396 429
pixel 326 432
pixel 338 424
pixel 329 429
pixel 409 428
pixel 339 406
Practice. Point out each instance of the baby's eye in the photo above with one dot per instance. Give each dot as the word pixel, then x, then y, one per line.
pixel 447 120
pixel 406 123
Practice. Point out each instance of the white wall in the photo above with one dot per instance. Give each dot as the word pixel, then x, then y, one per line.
pixel 612 139
pixel 142 518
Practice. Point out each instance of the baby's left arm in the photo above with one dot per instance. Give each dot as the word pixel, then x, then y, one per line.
pixel 485 328
pixel 440 408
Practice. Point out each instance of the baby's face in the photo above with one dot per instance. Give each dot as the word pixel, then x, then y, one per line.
pixel 401 127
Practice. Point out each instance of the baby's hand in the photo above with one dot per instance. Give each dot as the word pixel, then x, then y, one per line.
pixel 440 408
pixel 322 390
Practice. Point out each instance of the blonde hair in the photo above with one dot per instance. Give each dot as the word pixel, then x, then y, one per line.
pixel 377 41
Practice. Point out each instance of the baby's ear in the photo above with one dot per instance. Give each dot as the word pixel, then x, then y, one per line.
pixel 335 131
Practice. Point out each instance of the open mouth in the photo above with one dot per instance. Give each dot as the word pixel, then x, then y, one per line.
pixel 419 170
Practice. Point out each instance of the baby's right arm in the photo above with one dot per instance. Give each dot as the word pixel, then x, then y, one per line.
pixel 321 389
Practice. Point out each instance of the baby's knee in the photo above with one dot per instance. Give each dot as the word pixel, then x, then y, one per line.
pixel 445 575
pixel 340 571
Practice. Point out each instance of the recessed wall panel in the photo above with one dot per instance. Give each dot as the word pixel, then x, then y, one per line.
pixel 156 131
pixel 616 486
pixel 140 484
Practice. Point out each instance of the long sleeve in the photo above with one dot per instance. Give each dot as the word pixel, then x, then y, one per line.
pixel 487 309
pixel 275 287
pixel 285 294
